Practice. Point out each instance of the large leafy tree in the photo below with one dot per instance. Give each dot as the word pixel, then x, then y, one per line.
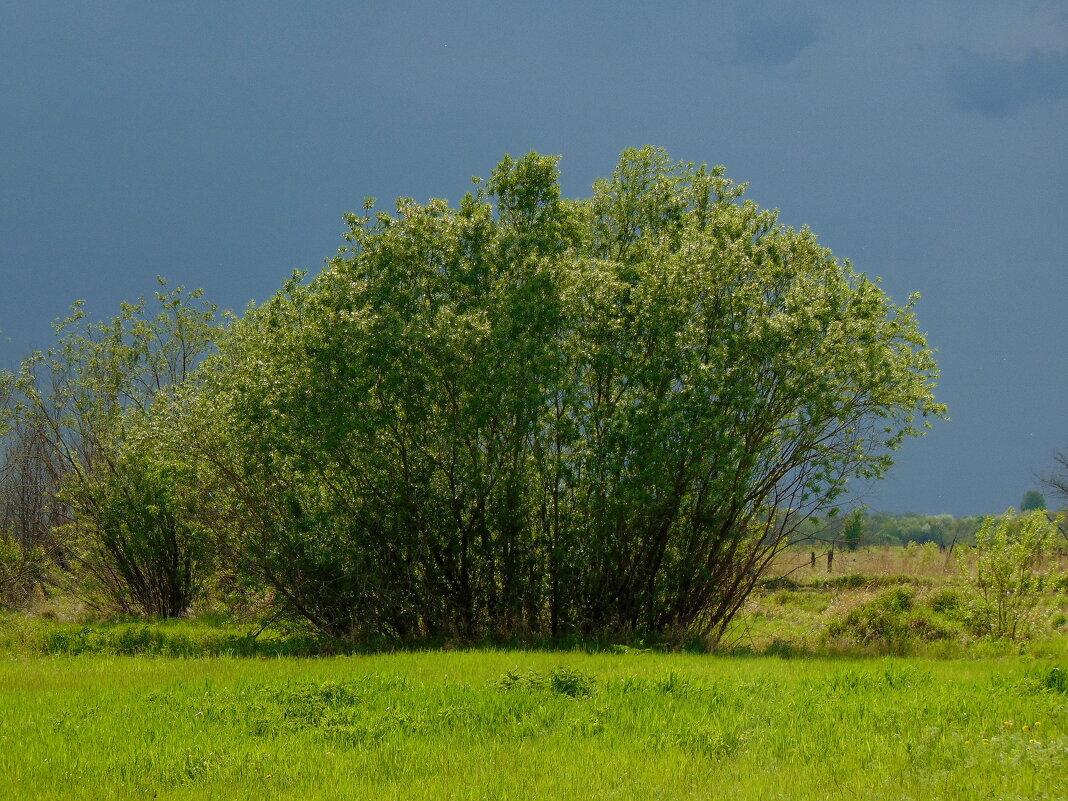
pixel 532 414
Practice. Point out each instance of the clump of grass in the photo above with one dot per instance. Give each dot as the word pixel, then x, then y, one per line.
pixel 561 680
pixel 778 583
pixel 175 638
pixel 894 617
pixel 1054 679
pixel 813 602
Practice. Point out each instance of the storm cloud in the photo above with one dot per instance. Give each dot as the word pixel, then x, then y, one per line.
pixel 995 87
pixel 773 40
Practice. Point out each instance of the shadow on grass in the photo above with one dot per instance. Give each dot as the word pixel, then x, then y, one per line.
pixel 848 581
pixel 195 639
pixel 23 635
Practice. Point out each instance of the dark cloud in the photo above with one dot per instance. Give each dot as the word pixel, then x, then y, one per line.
pixel 999 87
pixel 773 40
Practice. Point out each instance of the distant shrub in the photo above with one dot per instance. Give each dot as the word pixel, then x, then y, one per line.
pixel 947 601
pixel 893 617
pixel 857 581
pixel 1011 574
pixel 898 599
pixel 852 581
pixel 923 624
pixel 21 571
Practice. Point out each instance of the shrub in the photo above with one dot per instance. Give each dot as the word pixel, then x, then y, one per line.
pixel 893 617
pixel 947 601
pixel 1011 571
pixel 21 571
pixel 532 415
pixel 137 543
pixel 76 415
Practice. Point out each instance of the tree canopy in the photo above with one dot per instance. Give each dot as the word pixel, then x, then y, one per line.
pixel 535 415
pixel 1032 500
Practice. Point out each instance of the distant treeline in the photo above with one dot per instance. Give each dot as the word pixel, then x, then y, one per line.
pixel 880 528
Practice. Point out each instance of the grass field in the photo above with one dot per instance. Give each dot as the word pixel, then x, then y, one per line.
pixel 202 710
pixel 523 725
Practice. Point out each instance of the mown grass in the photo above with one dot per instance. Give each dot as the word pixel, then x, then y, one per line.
pixel 512 724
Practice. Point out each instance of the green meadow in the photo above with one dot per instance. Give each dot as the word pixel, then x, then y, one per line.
pixel 864 684
pixel 513 724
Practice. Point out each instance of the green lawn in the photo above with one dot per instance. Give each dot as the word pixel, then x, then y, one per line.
pixel 526 725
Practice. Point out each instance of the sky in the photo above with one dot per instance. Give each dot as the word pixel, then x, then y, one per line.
pixel 218 144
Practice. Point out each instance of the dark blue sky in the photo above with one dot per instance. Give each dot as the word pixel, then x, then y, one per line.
pixel 218 144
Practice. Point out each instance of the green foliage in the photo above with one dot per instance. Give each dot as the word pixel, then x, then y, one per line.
pixel 21 571
pixel 853 530
pixel 880 528
pixel 561 680
pixel 1058 582
pixel 530 414
pixel 136 535
pixel 948 601
pixel 1011 571
pixel 80 414
pixel 1055 679
pixel 1033 500
pixel 84 391
pixel 894 617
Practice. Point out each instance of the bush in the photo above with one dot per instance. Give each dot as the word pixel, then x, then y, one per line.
pixel 893 618
pixel 1012 569
pixel 855 581
pixel 947 601
pixel 138 544
pixel 21 571
pixel 76 414
pixel 531 415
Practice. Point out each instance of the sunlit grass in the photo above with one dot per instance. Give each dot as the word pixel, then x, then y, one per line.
pixel 510 724
pixel 211 709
